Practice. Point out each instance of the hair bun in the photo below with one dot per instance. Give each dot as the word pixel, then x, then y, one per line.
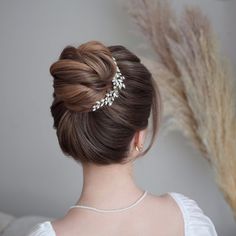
pixel 82 75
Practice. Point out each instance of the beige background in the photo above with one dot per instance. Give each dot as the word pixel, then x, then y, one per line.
pixel 35 177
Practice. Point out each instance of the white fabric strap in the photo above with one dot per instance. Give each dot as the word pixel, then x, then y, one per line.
pixel 43 229
pixel 196 223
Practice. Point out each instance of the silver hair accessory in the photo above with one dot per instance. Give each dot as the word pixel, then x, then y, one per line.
pixel 110 96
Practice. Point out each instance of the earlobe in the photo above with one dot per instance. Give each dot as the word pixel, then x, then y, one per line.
pixel 140 148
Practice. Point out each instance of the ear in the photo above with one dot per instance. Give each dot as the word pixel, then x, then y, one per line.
pixel 138 140
pixel 139 137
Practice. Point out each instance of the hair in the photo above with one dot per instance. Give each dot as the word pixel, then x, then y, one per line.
pixel 83 75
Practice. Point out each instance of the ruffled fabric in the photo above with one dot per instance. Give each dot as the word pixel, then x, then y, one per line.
pixel 43 229
pixel 196 223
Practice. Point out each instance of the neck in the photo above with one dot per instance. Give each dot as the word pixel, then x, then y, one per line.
pixel 110 186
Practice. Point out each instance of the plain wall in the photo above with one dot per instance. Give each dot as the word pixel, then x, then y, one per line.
pixel 35 177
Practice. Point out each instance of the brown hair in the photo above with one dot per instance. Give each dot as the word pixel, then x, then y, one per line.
pixel 81 77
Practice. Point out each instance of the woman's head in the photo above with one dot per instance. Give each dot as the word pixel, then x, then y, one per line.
pixel 83 76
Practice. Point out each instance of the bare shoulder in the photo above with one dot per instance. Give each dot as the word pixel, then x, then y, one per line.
pixel 168 212
pixel 61 227
pixel 166 201
pixel 58 226
pixel 158 215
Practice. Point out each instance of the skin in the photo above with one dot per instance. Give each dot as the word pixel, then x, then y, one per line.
pixel 113 186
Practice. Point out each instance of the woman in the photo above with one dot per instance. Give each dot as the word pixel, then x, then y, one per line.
pixel 103 98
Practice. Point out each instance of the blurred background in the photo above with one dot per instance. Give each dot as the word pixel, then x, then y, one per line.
pixel 35 177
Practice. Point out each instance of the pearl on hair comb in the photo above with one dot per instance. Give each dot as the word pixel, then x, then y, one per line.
pixel 110 96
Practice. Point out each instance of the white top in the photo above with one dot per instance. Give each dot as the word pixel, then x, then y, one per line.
pixel 196 223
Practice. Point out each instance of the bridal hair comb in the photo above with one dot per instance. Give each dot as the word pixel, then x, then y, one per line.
pixel 110 96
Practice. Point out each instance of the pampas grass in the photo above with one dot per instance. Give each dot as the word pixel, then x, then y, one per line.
pixel 195 84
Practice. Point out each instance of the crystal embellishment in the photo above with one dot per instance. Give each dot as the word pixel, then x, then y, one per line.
pixel 118 84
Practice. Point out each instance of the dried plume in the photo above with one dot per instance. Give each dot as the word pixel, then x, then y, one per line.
pixel 195 82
